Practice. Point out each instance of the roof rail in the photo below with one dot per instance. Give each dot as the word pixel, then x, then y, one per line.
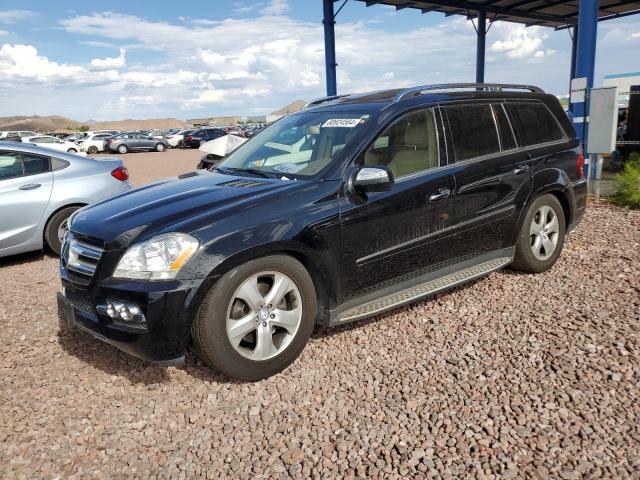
pixel 490 87
pixel 320 100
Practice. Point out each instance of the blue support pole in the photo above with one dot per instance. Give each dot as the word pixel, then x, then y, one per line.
pixel 572 71
pixel 329 21
pixel 480 46
pixel 585 62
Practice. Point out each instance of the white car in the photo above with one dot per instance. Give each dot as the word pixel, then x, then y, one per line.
pixel 52 142
pixel 93 143
pixel 21 133
pixel 176 139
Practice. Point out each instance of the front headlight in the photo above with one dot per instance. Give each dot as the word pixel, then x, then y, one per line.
pixel 157 259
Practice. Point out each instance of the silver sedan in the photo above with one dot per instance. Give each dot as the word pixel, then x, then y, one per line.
pixel 40 188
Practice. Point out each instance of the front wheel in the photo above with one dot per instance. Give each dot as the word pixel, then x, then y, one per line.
pixel 122 149
pixel 92 150
pixel 159 147
pixel 257 318
pixel 57 227
pixel 541 236
pixel 72 150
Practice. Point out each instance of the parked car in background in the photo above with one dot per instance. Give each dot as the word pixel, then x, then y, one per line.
pixel 201 136
pixel 395 195
pixel 40 188
pixel 234 130
pixel 53 142
pixel 93 143
pixel 134 142
pixel 13 133
pixel 176 139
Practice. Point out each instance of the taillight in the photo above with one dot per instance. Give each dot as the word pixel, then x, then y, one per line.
pixel 121 173
pixel 580 164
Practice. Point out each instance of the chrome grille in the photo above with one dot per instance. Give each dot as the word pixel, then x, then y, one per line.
pixel 81 257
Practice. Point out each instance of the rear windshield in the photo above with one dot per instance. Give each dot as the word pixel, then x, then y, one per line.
pixel 299 145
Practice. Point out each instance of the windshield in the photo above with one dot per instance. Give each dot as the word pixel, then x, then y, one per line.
pixel 299 145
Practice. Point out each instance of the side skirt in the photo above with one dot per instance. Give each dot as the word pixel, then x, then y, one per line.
pixel 421 287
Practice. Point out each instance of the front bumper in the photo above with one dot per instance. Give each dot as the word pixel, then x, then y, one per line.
pixel 168 309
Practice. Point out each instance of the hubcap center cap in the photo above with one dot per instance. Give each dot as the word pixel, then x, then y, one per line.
pixel 263 314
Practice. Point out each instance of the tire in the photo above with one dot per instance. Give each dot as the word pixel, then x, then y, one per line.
pixel 92 150
pixel 540 239
pixel 159 147
pixel 72 150
pixel 202 142
pixel 122 149
pixel 54 226
pixel 220 303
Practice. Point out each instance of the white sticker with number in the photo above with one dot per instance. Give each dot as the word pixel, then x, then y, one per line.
pixel 341 122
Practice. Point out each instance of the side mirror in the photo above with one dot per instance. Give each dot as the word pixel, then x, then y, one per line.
pixel 371 179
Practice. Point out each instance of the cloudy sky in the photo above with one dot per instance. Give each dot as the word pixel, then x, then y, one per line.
pixel 201 58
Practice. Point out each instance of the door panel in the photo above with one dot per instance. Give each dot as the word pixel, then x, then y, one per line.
pixel 389 237
pixel 490 188
pixel 24 198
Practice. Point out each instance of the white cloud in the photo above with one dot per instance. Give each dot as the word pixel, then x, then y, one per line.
pixel 3 32
pixel 23 62
pixel 519 42
pixel 110 62
pixel 276 7
pixel 635 35
pixel 12 16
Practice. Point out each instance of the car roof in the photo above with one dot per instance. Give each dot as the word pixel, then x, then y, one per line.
pixel 32 148
pixel 378 100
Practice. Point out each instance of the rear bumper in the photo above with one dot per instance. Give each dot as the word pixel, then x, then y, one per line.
pixel 161 337
pixel 580 203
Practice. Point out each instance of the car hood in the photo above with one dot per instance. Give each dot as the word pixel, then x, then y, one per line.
pixel 180 204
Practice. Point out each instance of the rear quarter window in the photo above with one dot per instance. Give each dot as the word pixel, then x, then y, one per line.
pixel 535 123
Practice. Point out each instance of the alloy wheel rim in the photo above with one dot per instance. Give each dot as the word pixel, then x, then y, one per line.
pixel 544 232
pixel 264 315
pixel 62 230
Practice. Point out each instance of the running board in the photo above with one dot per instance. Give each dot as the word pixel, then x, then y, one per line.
pixel 416 292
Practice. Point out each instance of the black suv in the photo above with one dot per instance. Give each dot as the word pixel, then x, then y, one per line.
pixel 197 138
pixel 348 208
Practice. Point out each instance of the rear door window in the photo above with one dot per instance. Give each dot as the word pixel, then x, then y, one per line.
pixel 10 165
pixel 535 123
pixel 473 130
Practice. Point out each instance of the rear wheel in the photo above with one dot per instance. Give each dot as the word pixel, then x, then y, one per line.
pixel 92 149
pixel 202 142
pixel 123 149
pixel 72 150
pixel 257 318
pixel 159 147
pixel 541 236
pixel 57 227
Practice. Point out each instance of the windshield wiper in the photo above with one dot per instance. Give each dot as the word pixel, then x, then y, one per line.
pixel 255 171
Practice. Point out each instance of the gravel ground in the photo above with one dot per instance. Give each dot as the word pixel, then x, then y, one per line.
pixel 530 376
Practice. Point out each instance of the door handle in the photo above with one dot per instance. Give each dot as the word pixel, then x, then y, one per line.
pixel 30 186
pixel 521 169
pixel 441 195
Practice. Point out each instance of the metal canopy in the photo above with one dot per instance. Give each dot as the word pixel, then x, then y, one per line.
pixel 547 13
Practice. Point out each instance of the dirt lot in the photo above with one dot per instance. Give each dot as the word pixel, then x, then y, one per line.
pixel 531 376
pixel 145 167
